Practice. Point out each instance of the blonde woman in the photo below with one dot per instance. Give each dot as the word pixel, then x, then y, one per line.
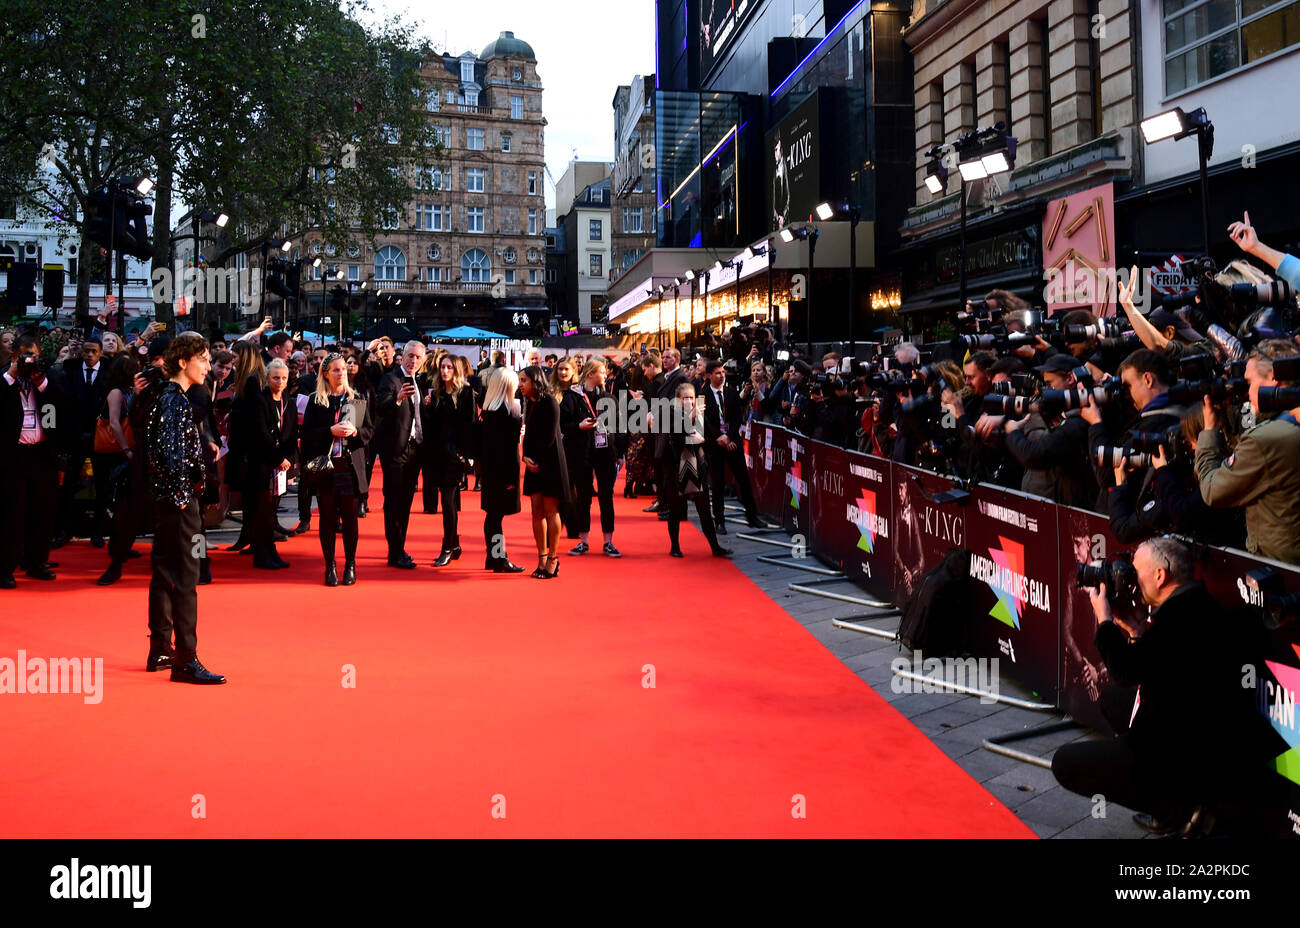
pixel 337 424
pixel 498 444
pixel 449 437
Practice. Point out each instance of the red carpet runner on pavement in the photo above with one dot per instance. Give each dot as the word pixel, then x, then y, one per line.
pixel 476 694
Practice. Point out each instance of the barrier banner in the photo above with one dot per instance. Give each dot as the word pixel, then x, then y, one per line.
pixel 766 458
pixel 1257 586
pixel 798 476
pixel 852 512
pixel 1085 538
pixel 924 530
pixel 1014 565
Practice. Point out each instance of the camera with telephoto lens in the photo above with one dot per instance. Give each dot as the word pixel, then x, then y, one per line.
pixel 1265 588
pixel 1075 397
pixel 996 404
pixel 1151 442
pixel 1102 328
pixel 1111 456
pixel 923 405
pixel 1002 388
pixel 1278 399
pixel 1117 573
pixel 1219 391
pixel 1249 297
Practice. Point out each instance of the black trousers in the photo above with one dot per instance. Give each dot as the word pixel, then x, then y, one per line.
pixel 104 465
pixel 64 524
pixel 338 505
pixel 602 467
pixel 720 459
pixel 173 591
pixel 128 512
pixel 677 515
pixel 494 536
pixel 304 499
pixel 401 474
pixel 30 486
pixel 446 484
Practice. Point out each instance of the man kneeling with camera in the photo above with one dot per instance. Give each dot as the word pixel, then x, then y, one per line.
pixel 1187 731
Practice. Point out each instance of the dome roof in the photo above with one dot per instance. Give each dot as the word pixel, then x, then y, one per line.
pixel 507 46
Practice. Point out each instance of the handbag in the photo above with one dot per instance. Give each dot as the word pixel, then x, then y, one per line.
pixel 318 466
pixel 106 441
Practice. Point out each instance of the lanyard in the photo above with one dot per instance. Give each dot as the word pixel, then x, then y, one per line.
pixel 587 400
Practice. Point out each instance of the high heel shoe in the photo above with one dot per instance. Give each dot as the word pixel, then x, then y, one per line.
pixel 239 545
pixel 331 575
pixel 349 573
pixel 552 574
pixel 540 572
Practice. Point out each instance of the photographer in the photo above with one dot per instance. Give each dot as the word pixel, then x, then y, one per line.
pixel 1052 447
pixel 1185 740
pixel 1145 374
pixel 1262 474
pixel 30 406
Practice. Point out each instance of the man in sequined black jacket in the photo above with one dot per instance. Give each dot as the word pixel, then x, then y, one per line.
pixel 175 478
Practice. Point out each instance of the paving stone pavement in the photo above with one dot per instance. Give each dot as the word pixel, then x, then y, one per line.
pixel 958 724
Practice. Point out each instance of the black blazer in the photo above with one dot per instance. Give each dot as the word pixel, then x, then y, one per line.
pixel 317 440
pixel 271 441
pixel 666 389
pixel 11 416
pixel 394 418
pixel 731 412
pixel 449 432
pixel 84 402
pixel 498 444
pixel 577 443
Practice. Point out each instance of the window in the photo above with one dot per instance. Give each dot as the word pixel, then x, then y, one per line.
pixel 429 179
pixel 435 274
pixel 390 263
pixel 516 107
pixel 315 272
pixel 451 96
pixel 532 277
pixel 595 230
pixel 474 180
pixel 505 141
pixel 391 135
pixel 471 98
pixel 467 72
pixel 390 221
pixel 510 256
pixel 510 277
pixel 354 272
pixel 435 102
pixel 442 136
pixel 532 183
pixel 632 220
pixel 434 253
pixel 474 139
pixel 1207 38
pixel 596 266
pixel 532 222
pixel 550 275
pixel 475 267
pixel 474 219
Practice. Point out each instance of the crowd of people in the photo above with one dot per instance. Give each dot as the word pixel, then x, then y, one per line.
pixel 168 436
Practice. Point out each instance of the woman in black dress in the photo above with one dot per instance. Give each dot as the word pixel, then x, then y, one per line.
pixel 546 478
pixel 250 379
pixel 337 424
pixel 598 454
pixel 498 458
pixel 273 444
pixel 449 420
pixel 689 465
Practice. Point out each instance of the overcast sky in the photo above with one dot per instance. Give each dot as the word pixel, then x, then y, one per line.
pixel 585 49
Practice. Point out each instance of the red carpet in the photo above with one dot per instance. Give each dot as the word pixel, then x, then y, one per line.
pixel 469 686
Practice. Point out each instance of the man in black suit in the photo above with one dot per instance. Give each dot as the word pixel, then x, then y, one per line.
pixel 399 436
pixel 82 383
pixel 664 387
pixel 1189 734
pixel 30 408
pixel 723 413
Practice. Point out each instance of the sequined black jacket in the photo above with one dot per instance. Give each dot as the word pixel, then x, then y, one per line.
pixel 174 448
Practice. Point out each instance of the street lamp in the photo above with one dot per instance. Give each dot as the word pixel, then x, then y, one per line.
pixel 853 213
pixel 1176 124
pixel 980 154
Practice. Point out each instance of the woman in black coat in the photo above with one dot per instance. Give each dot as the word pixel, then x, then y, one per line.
pixel 360 380
pixel 449 432
pixel 272 445
pixel 546 477
pixel 597 455
pixel 687 463
pixel 337 424
pixel 498 459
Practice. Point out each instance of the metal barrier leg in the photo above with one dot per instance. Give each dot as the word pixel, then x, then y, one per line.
pixel 856 600
pixel 972 691
pixel 800 564
pixel 996 745
pixel 850 622
pixel 767 541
